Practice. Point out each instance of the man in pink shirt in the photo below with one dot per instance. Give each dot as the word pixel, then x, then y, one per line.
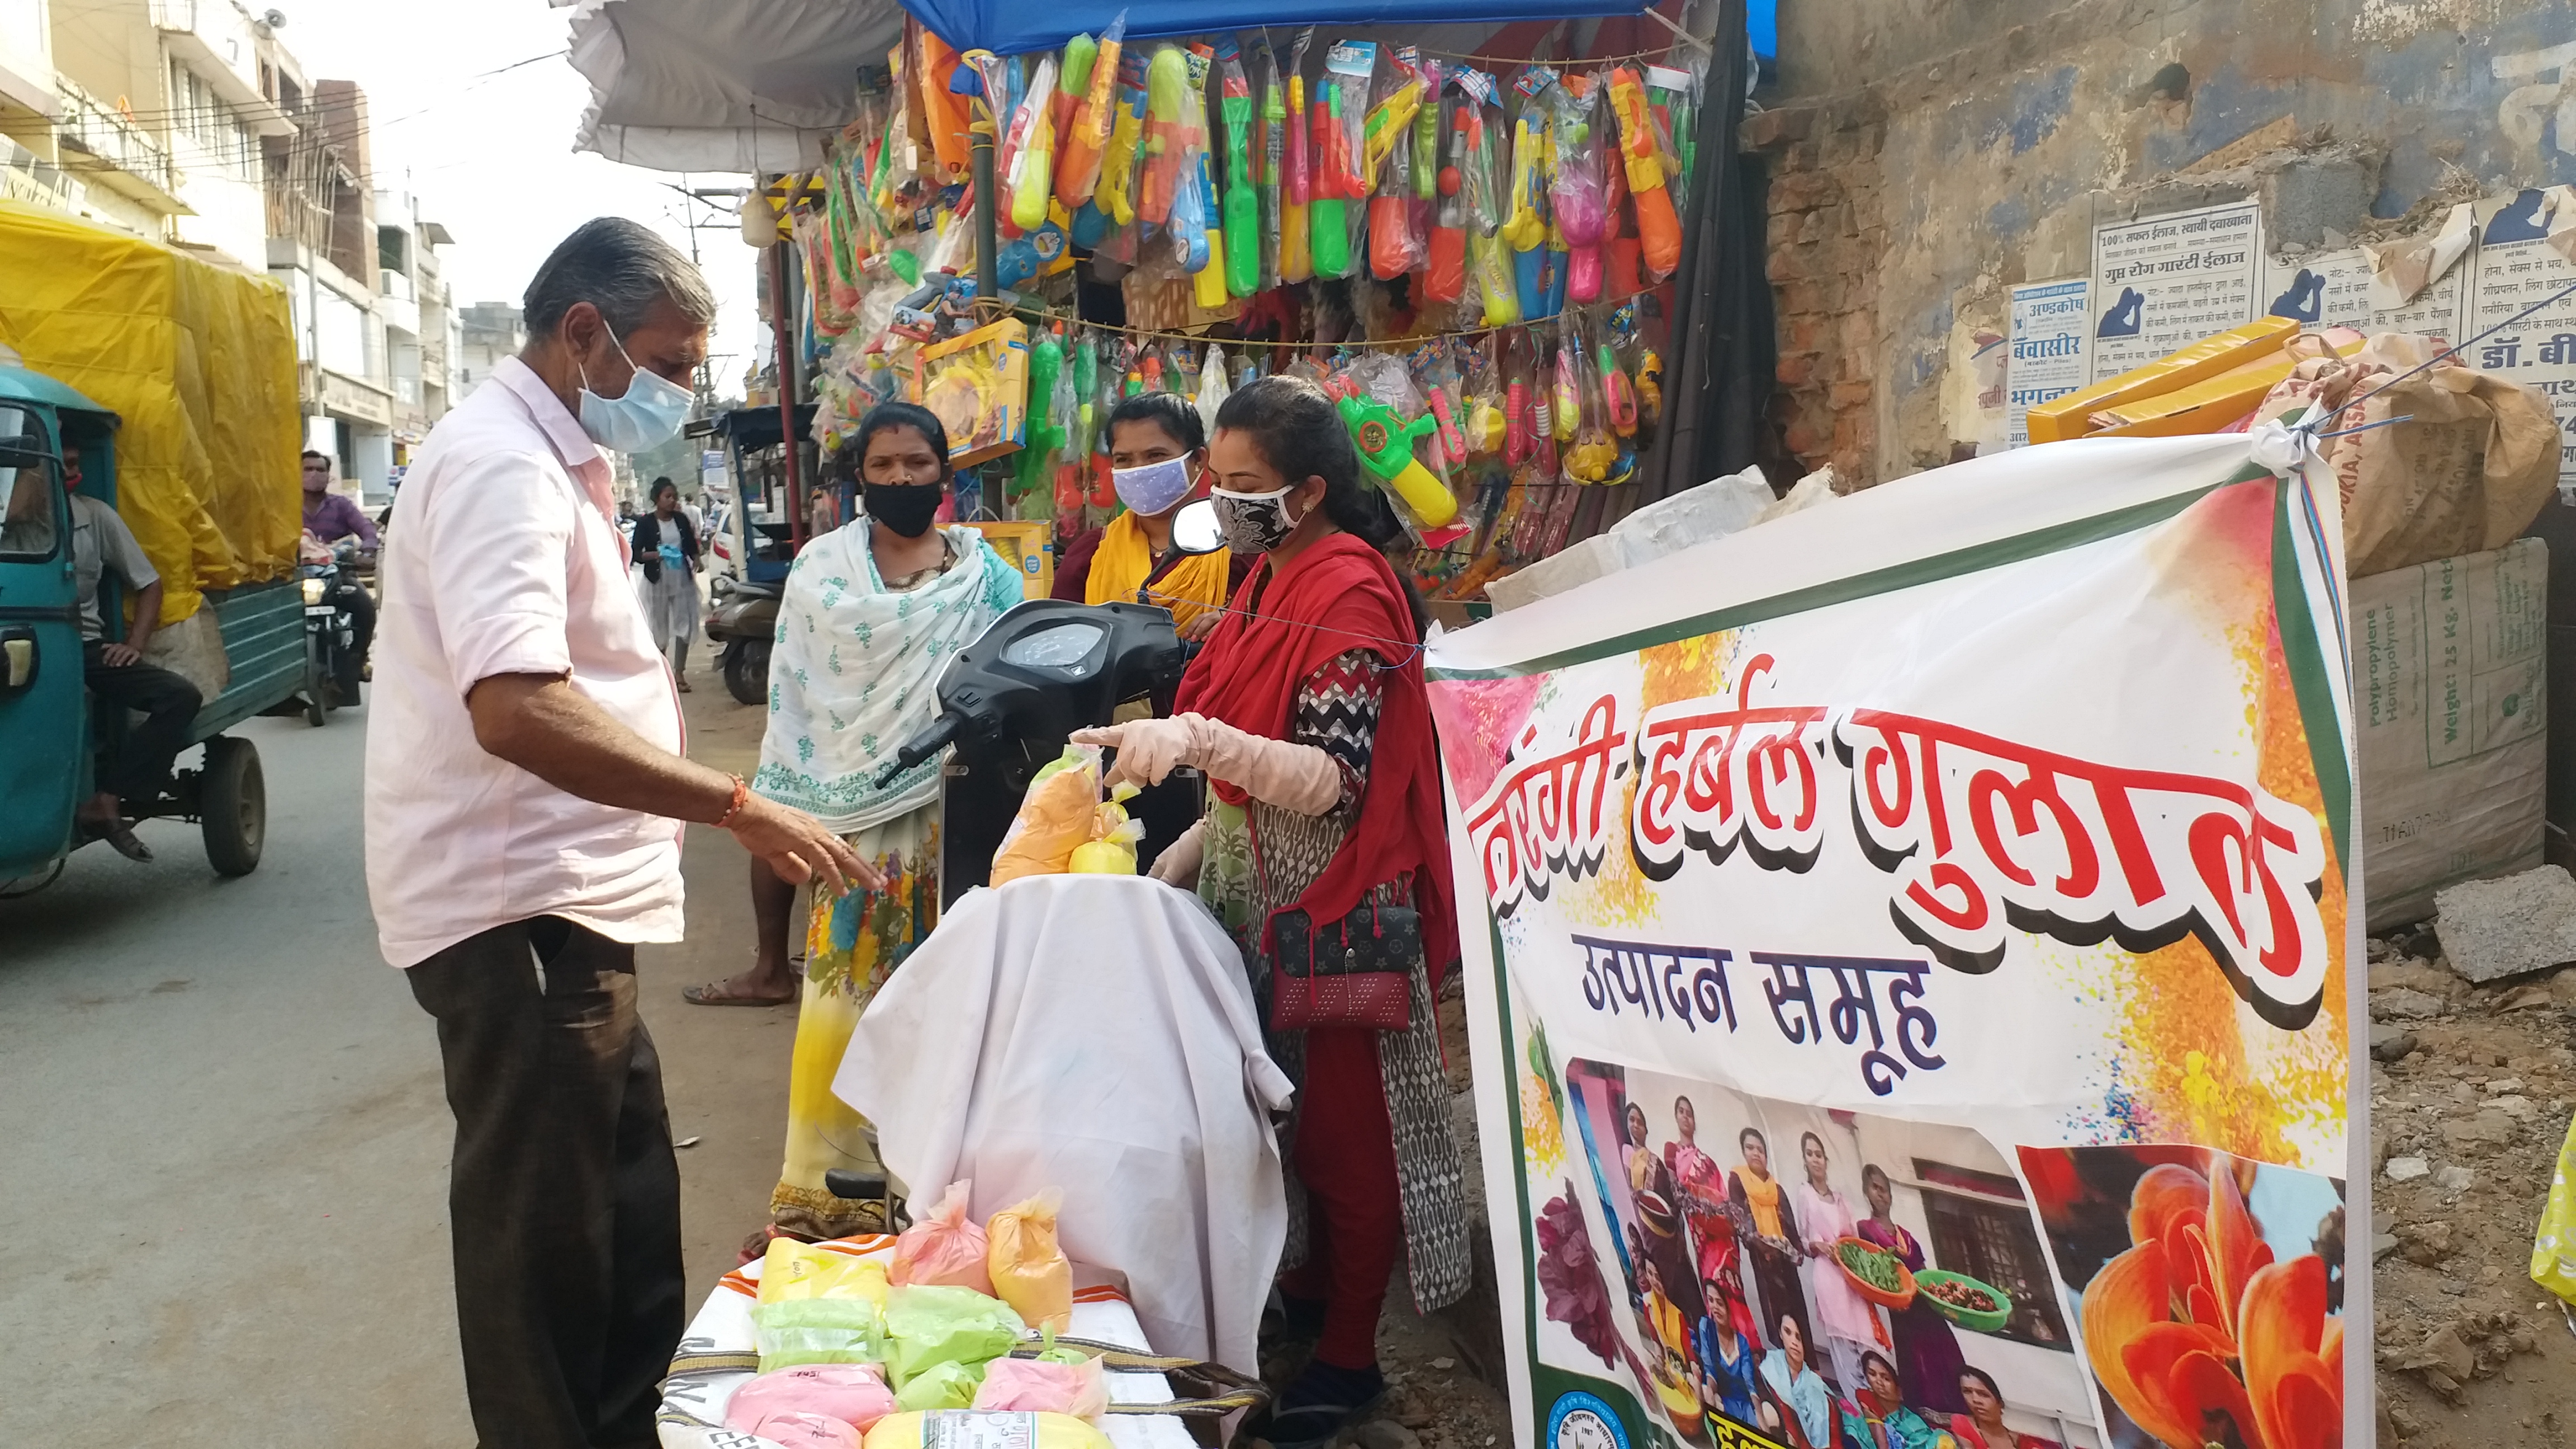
pixel 525 793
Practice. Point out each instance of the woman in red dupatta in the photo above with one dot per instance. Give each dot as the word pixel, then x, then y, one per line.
pixel 1308 713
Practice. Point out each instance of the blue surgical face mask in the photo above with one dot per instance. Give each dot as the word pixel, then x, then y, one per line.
pixel 648 415
pixel 1154 487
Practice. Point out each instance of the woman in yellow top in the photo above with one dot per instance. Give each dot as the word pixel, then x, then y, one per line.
pixel 1158 461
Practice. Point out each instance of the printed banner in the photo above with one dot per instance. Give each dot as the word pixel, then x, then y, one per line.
pixel 2161 283
pixel 1909 996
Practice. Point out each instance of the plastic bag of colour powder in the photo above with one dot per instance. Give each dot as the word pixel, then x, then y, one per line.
pixel 946 1248
pixel 1030 1272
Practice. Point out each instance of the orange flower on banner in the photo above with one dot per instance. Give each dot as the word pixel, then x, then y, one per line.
pixel 2200 1336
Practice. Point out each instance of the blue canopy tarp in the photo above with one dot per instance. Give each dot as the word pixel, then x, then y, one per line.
pixel 1013 27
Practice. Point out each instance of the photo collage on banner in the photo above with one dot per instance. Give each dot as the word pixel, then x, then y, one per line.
pixel 1909 993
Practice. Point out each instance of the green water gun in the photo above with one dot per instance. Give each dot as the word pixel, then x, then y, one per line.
pixel 1338 180
pixel 1426 135
pixel 1242 206
pixel 1385 444
pixel 1035 466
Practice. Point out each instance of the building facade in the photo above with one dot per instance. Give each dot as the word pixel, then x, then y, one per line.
pixel 190 122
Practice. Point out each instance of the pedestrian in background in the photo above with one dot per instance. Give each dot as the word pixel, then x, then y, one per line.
pixel 667 550
pixel 524 794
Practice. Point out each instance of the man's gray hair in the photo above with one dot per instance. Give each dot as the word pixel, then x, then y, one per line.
pixel 620 267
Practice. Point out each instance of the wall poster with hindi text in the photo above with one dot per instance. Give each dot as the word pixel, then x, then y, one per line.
pixel 2050 352
pixel 2161 283
pixel 1905 953
pixel 2526 257
pixel 2332 289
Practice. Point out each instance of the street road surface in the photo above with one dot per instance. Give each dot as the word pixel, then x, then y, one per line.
pixel 223 1215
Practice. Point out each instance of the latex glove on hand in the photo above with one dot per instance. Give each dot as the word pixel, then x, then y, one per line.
pixel 1294 777
pixel 1148 749
pixel 1179 863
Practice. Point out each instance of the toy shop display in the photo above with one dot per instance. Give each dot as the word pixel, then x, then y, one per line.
pixel 1467 264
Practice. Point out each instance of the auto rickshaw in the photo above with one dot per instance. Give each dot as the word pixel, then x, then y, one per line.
pixel 52 742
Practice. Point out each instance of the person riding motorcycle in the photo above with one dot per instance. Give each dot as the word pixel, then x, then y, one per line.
pixel 331 517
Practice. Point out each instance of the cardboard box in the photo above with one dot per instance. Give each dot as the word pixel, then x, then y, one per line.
pixel 2217 403
pixel 2451 711
pixel 1031 546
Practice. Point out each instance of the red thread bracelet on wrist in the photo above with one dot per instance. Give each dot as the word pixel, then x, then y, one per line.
pixel 741 796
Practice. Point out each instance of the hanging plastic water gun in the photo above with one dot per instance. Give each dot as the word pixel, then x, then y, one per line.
pixel 1582 208
pixel 1674 98
pixel 1387 159
pixel 1270 154
pixel 1121 372
pixel 1074 400
pixel 1445 277
pixel 1031 183
pixel 1618 397
pixel 1072 83
pixel 1589 454
pixel 945 111
pixel 1242 209
pixel 1296 255
pixel 1198 235
pixel 1085 144
pixel 1385 444
pixel 1338 146
pixel 1208 241
pixel 1481 217
pixel 1518 421
pixel 1453 440
pixel 1423 209
pixel 1525 208
pixel 1659 229
pixel 1113 201
pixel 1487 426
pixel 1034 469
pixel 1167 91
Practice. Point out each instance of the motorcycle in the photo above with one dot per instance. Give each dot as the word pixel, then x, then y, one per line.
pixel 1044 669
pixel 331 663
pixel 744 620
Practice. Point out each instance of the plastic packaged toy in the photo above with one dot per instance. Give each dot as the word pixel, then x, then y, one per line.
pixel 1582 207
pixel 978 384
pixel 1338 146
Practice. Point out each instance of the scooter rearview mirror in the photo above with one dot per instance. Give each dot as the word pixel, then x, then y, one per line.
pixel 1195 529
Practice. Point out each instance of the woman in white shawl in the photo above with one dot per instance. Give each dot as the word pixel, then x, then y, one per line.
pixel 872 612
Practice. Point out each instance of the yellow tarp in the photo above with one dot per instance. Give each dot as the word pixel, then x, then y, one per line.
pixel 198 361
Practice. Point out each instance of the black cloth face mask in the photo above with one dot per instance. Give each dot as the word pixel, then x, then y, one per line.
pixel 907 508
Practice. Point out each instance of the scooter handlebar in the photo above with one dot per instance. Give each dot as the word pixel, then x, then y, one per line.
pixel 940 733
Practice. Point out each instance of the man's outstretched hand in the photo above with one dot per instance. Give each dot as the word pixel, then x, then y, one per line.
pixel 799 848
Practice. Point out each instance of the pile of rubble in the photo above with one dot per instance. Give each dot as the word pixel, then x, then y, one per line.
pixel 2472 1082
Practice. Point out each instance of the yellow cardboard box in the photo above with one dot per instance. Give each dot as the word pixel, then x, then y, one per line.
pixel 2068 416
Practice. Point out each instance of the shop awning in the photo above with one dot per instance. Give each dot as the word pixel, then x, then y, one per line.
pixel 1010 27
pixel 759 85
pixel 723 85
